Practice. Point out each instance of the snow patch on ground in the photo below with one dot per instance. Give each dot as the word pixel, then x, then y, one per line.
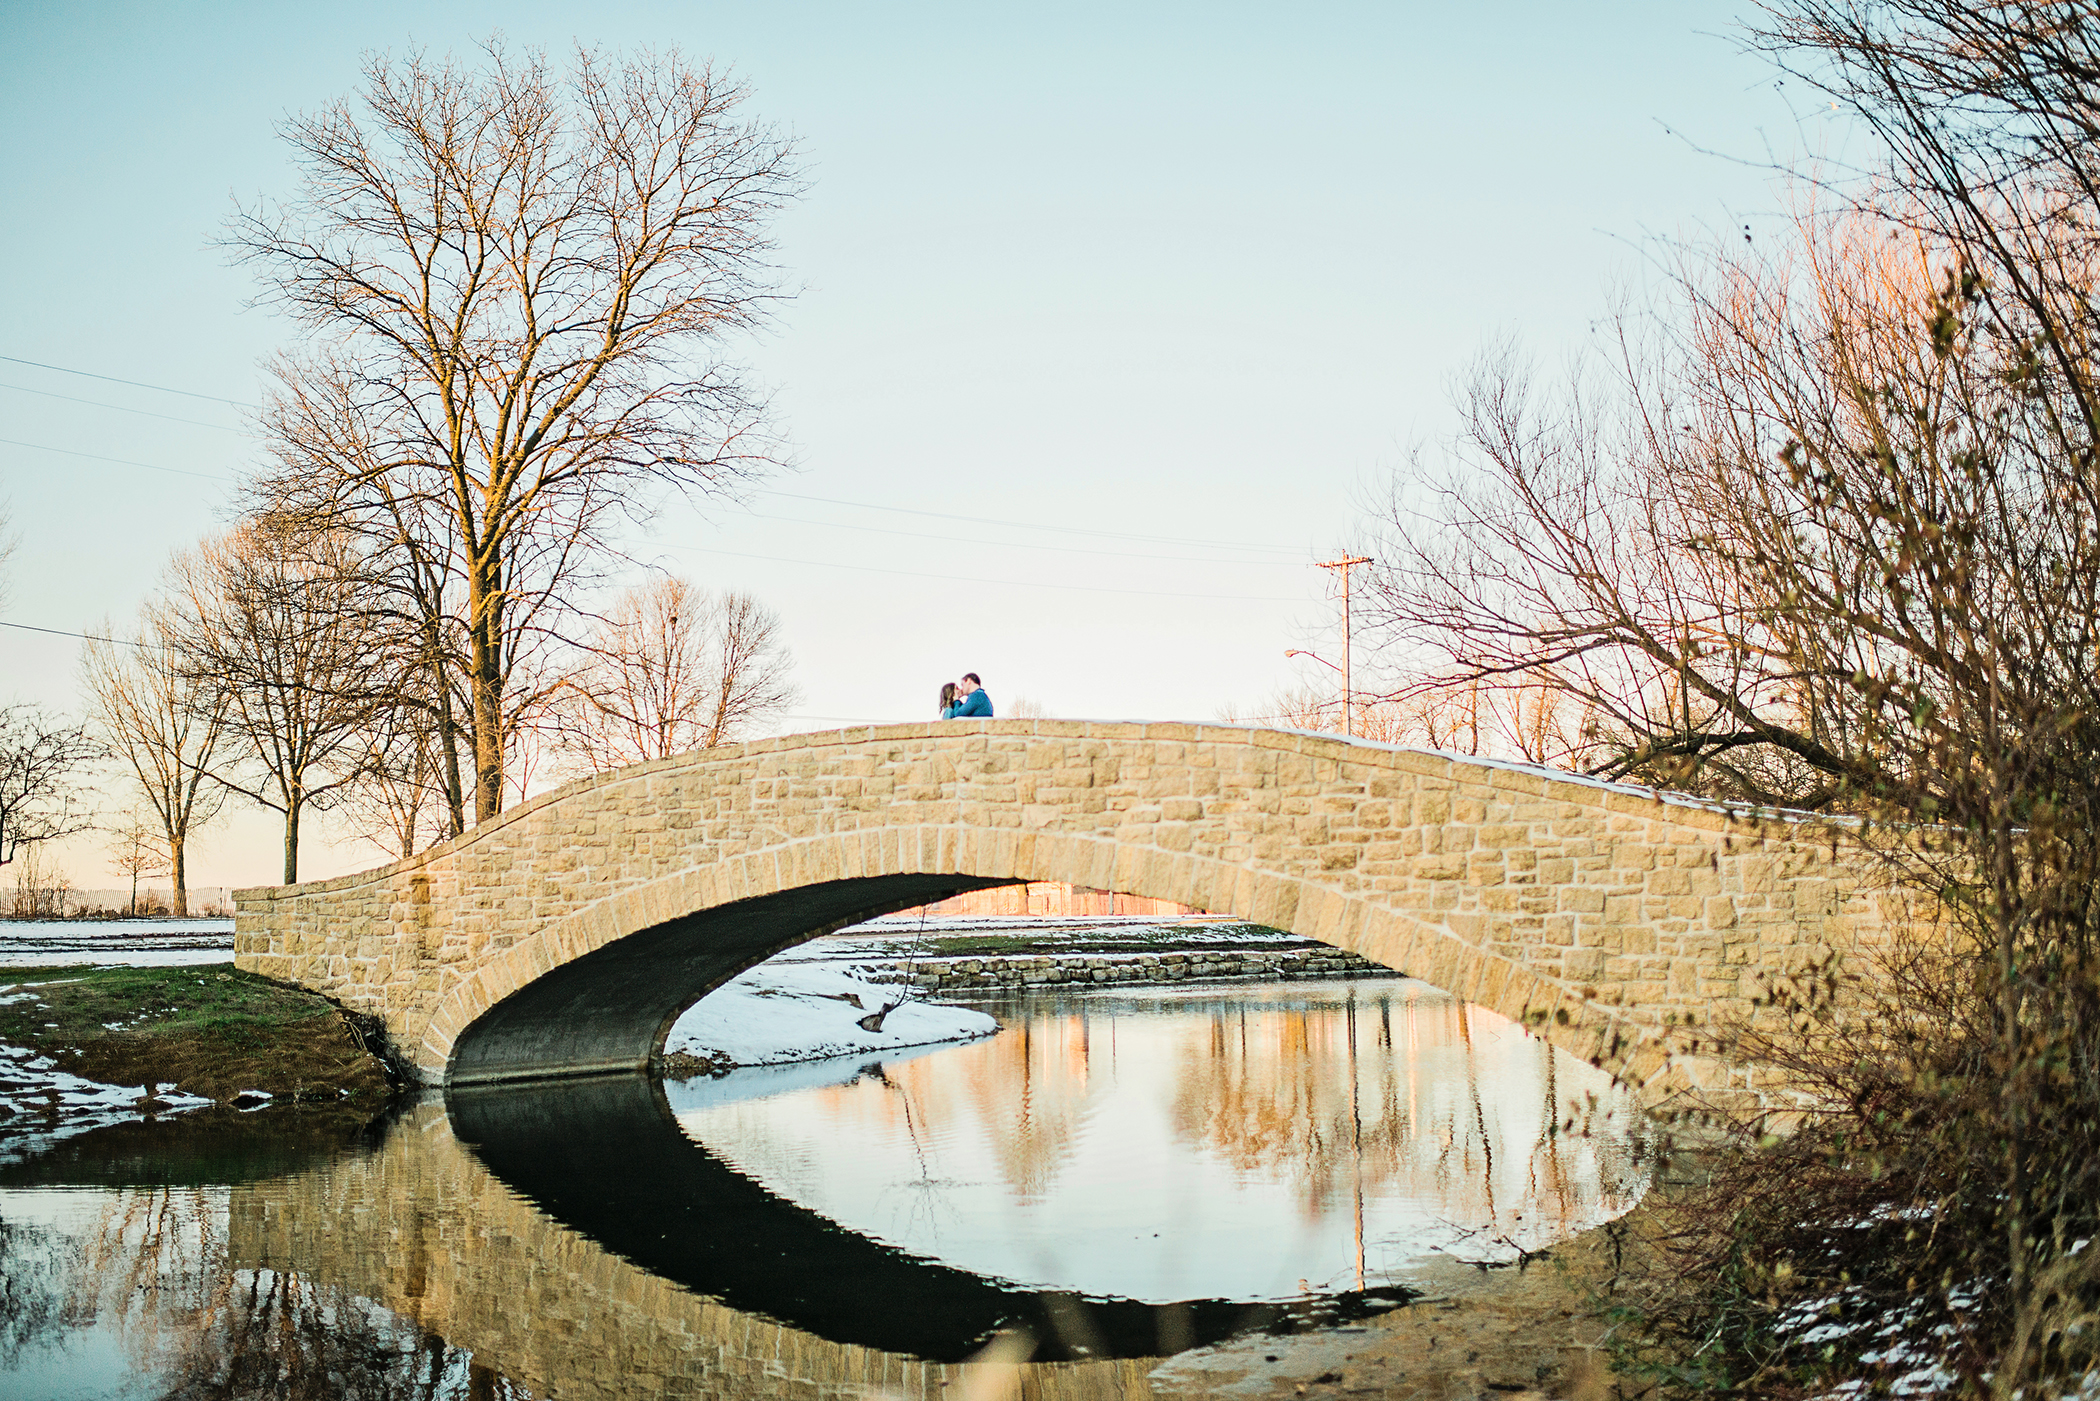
pixel 782 1012
pixel 137 943
pixel 40 1105
pixel 764 1081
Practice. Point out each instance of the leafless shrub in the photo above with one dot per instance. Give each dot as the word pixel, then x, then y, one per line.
pixel 671 668
pixel 42 889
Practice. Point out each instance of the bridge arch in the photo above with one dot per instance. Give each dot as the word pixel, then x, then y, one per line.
pixel 567 934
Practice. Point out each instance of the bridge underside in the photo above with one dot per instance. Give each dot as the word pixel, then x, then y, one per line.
pixel 611 1009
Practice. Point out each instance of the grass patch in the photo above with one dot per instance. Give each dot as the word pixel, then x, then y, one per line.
pixel 209 1030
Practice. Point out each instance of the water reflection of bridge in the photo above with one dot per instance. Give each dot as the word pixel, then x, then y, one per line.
pixel 576 1243
pixel 423 1227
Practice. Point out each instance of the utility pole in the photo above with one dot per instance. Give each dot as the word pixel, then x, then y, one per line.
pixel 1345 564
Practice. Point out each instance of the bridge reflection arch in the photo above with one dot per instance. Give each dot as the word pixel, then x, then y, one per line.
pixel 606 1158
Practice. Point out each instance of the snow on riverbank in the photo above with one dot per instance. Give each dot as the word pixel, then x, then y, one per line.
pixel 794 1011
pixel 41 1104
pixel 109 943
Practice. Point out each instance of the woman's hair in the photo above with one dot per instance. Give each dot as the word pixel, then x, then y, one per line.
pixel 947 694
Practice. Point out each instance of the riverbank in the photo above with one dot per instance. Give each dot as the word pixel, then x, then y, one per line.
pixel 1541 1331
pixel 84 1046
pixel 104 943
pixel 1060 968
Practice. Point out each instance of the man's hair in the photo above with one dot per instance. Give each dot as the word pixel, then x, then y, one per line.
pixel 973 678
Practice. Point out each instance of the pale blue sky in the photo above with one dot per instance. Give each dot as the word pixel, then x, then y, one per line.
pixel 1185 271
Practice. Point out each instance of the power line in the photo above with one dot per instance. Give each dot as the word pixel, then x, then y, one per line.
pixel 84 636
pixel 133 383
pixel 1004 583
pixel 783 559
pixel 1018 544
pixel 120 461
pixel 793 495
pixel 120 408
pixel 1030 525
pixel 835 525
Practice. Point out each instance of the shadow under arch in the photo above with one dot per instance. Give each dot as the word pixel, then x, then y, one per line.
pixel 609 1010
pixel 606 1157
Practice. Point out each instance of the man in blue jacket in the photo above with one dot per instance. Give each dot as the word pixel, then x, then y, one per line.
pixel 976 703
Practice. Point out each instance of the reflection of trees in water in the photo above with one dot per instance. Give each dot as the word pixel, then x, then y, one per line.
pixel 275 1334
pixel 153 1267
pixel 1398 1094
pixel 1382 1090
pixel 150 1263
pixel 1027 1089
pixel 35 1263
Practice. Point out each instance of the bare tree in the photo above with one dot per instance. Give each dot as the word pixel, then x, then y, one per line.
pixel 41 759
pixel 400 801
pixel 1462 717
pixel 1585 543
pixel 1832 538
pixel 166 722
pixel 270 622
pixel 672 668
pixel 138 849
pixel 507 273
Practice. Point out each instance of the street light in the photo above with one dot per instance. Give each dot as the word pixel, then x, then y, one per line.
pixel 1345 564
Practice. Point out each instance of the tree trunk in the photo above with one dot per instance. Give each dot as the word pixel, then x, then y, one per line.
pixel 448 727
pixel 484 599
pixel 179 902
pixel 291 838
pixel 448 746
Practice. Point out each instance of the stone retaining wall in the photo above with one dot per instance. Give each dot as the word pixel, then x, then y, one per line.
pixel 1124 970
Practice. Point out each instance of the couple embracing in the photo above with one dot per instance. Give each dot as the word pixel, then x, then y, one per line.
pixel 965 699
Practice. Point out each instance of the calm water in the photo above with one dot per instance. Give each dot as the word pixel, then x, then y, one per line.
pixel 1108 1179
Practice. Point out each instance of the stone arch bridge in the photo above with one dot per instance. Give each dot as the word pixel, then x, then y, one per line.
pixel 566 935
